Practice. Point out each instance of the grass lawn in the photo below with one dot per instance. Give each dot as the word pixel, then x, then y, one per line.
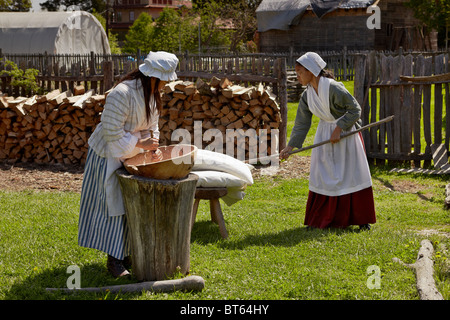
pixel 269 253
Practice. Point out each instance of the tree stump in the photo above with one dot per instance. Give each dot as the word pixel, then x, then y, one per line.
pixel 159 222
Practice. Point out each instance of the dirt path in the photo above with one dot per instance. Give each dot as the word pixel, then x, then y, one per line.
pixel 31 176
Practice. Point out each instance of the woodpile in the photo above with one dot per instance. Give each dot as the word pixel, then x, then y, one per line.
pixel 55 128
pixel 52 128
pixel 220 105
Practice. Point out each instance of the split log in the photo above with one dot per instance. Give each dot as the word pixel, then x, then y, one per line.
pixel 424 270
pixel 31 128
pixel 159 218
pixel 189 283
pixel 219 104
pixel 52 128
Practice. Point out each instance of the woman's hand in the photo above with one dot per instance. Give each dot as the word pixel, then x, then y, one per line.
pixel 148 143
pixel 284 154
pixel 157 155
pixel 336 135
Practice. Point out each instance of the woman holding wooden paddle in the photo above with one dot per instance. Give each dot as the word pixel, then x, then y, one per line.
pixel 340 184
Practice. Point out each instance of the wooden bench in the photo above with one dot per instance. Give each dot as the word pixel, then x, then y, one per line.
pixel 213 195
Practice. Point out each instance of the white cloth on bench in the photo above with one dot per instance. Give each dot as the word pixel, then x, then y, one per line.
pixel 217 170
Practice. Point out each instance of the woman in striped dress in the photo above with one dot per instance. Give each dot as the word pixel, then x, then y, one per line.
pixel 129 125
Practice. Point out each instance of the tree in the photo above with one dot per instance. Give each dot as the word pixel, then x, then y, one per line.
pixel 174 31
pixel 214 32
pixel 20 78
pixel 140 35
pixel 435 14
pixel 15 5
pixel 238 15
pixel 166 31
pixel 89 6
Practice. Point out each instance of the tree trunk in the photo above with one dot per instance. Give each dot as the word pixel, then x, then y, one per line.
pixel 159 219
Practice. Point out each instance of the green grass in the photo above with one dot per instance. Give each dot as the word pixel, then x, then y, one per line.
pixel 269 253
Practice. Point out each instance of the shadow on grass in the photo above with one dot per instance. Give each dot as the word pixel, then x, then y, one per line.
pixel 205 232
pixel 92 275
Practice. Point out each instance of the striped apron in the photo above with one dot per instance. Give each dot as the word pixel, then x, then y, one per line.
pixel 96 228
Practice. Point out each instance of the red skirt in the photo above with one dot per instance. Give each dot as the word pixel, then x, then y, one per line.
pixel 356 208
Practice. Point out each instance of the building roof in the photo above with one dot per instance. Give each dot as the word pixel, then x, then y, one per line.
pixel 52 32
pixel 281 14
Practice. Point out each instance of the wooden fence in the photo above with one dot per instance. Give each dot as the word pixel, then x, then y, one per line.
pixel 413 88
pixel 64 72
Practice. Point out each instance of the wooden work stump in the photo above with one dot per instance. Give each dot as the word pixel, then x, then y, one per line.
pixel 159 216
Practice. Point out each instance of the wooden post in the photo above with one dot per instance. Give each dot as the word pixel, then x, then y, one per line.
pixel 428 70
pixel 417 110
pixel 108 75
pixel 282 94
pixel 159 223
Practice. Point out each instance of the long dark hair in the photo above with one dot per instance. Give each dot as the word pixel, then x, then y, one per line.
pixel 326 73
pixel 147 87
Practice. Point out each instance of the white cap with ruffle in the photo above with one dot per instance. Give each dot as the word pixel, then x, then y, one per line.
pixel 313 62
pixel 161 65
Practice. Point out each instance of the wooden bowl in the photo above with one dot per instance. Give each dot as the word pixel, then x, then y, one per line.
pixel 177 163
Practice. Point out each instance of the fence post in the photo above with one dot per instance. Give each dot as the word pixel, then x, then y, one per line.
pixel 344 62
pixel 108 75
pixel 138 58
pixel 282 94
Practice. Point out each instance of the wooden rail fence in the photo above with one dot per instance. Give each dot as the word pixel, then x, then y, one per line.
pixel 413 88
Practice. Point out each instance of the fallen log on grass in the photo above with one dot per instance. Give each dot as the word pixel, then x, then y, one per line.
pixel 447 196
pixel 424 270
pixel 190 283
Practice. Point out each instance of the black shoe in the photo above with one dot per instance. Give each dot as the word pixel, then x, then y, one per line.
pixel 116 267
pixel 127 262
pixel 364 227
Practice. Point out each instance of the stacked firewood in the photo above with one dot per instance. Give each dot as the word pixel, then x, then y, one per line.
pixel 218 105
pixel 55 128
pixel 51 128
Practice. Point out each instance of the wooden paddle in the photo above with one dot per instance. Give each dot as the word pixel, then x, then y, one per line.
pixel 370 125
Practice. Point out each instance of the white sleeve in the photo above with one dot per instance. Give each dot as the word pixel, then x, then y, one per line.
pixel 115 113
pixel 153 126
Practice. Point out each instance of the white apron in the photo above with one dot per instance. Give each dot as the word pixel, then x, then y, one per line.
pixel 340 168
pixel 113 192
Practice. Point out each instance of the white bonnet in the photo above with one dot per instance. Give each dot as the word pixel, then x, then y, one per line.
pixel 160 65
pixel 313 62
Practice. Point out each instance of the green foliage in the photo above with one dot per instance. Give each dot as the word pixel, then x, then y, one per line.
pixel 213 33
pixel 171 32
pixel 21 78
pixel 114 43
pixel 90 6
pixel 178 30
pixel 15 5
pixel 140 35
pixel 435 14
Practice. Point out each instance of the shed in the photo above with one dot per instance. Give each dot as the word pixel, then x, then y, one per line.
pixel 319 25
pixel 75 32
